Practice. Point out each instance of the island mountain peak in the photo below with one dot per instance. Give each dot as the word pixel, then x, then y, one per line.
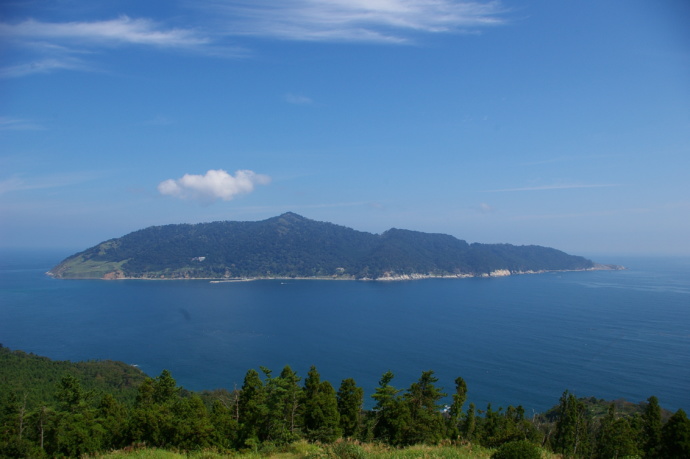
pixel 291 245
pixel 291 217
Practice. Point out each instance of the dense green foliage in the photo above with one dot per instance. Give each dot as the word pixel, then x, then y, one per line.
pixel 519 449
pixel 35 377
pixel 293 246
pixel 270 413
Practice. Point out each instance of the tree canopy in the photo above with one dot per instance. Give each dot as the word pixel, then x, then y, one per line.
pixel 77 417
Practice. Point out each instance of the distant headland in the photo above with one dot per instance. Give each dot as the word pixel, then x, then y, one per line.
pixel 291 246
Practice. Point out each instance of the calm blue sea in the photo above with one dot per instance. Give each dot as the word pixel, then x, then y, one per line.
pixel 515 340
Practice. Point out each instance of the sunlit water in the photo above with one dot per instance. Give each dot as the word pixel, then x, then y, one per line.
pixel 515 340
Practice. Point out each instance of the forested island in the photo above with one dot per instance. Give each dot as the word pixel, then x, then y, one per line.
pixel 291 246
pixel 63 409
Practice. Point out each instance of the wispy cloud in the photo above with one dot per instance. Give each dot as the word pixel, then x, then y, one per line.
pixel 11 184
pixel 377 21
pixel 18 124
pixel 123 30
pixel 159 120
pixel 48 65
pixel 56 45
pixel 552 187
pixel 297 99
pixel 66 45
pixel 562 159
pixel 484 208
pixel 214 185
pixel 20 183
pixel 601 213
pixel 330 205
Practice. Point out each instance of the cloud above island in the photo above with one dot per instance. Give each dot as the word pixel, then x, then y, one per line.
pixel 214 185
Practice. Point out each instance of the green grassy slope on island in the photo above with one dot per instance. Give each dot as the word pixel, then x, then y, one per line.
pixel 81 267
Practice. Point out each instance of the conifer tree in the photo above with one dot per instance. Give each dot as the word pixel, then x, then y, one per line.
pixel 284 399
pixel 225 425
pixel 75 431
pixel 165 388
pixel 492 431
pixel 651 427
pixel 112 415
pixel 291 401
pixel 675 437
pixel 192 428
pixel 70 395
pixel 153 421
pixel 572 427
pixel 350 401
pixel 615 437
pixel 145 393
pixel 422 399
pixel 321 417
pixel 470 425
pixel 252 410
pixel 455 412
pixel 14 423
pixel 313 415
pixel 392 415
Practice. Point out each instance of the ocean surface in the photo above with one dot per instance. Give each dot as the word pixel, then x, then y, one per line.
pixel 515 340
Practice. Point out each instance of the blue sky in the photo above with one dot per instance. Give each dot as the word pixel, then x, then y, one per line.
pixel 565 124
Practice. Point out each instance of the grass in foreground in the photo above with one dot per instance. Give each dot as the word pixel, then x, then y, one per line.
pixel 305 450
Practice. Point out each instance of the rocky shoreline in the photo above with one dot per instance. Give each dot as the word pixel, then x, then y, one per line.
pixel 388 277
pixel 496 273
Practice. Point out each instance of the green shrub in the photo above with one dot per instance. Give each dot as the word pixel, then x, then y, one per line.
pixel 521 449
pixel 339 450
pixel 347 450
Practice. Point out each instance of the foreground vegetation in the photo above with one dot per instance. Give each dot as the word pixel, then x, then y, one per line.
pixel 305 450
pixel 281 416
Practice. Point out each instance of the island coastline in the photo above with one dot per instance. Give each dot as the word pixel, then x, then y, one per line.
pixel 391 277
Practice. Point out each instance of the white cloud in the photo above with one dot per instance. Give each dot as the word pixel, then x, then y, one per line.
pixel 19 183
pixel 570 158
pixel 215 184
pixel 55 44
pixel 484 208
pixel 123 30
pixel 43 66
pixel 552 187
pixel 297 99
pixel 384 21
pixel 11 184
pixel 18 124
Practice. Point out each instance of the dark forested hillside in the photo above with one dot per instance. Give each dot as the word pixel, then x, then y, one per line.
pixel 34 378
pixel 293 246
